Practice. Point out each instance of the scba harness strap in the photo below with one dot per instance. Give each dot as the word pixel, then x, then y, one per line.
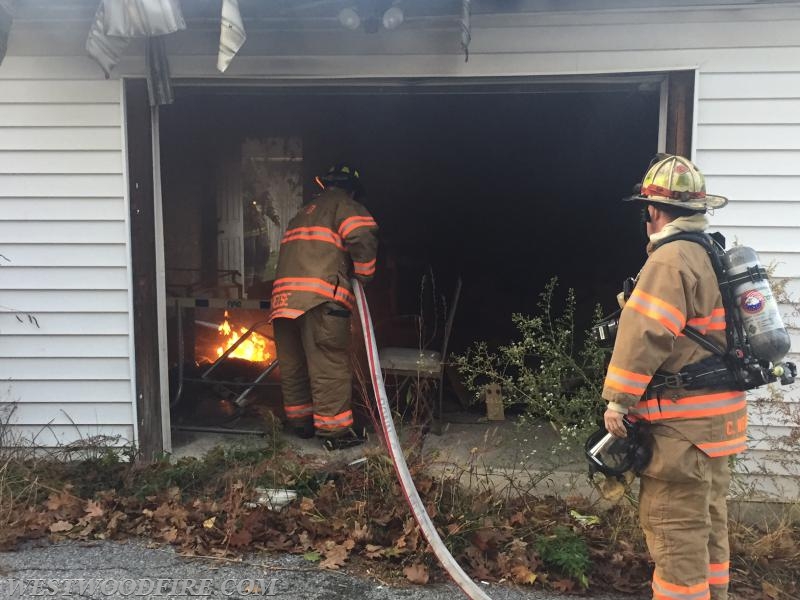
pixel 733 367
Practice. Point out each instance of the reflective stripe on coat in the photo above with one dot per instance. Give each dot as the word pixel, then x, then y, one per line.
pixel 677 286
pixel 329 240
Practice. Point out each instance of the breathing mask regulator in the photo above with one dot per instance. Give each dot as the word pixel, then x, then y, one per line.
pixel 605 330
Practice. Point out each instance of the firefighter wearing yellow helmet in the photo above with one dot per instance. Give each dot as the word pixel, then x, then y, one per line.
pixel 330 240
pixel 693 431
pixel 676 181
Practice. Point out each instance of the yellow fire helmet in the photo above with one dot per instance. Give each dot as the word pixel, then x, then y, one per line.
pixel 676 181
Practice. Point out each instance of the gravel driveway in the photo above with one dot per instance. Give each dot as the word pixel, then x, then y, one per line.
pixel 132 570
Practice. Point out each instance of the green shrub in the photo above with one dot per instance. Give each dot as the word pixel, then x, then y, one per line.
pixel 554 373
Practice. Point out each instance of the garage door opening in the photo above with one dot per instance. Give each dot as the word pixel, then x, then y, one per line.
pixel 505 185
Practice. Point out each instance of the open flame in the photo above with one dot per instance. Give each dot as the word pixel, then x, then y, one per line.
pixel 256 348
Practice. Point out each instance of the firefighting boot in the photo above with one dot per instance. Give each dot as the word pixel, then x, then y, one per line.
pixel 304 431
pixel 349 439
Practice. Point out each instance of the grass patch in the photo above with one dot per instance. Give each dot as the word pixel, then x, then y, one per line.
pixel 567 553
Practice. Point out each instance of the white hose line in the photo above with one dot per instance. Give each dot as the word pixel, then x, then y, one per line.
pixel 461 579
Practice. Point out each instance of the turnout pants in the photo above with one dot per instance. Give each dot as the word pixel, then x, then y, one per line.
pixel 684 515
pixel 316 374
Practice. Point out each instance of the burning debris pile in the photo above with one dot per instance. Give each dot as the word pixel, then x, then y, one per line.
pixel 254 348
pixel 232 352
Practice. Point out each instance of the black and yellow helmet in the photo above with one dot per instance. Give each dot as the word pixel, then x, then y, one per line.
pixel 344 176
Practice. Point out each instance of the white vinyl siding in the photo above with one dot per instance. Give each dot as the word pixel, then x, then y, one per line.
pixel 62 138
pixel 748 147
pixel 65 374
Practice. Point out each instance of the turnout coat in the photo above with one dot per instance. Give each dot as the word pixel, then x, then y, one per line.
pixel 328 241
pixel 676 287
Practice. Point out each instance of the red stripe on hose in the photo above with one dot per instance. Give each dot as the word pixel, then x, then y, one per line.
pixel 375 376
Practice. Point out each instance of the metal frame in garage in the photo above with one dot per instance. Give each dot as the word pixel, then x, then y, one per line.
pixel 206 377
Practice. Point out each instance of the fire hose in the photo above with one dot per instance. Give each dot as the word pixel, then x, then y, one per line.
pixel 456 573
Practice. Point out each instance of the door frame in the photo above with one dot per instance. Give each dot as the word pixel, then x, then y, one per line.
pixel 147 243
pixel 677 125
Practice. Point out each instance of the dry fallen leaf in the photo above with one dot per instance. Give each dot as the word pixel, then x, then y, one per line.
pixel 360 532
pixel 54 502
pixel 93 509
pixel 241 538
pixel 115 519
pixel 163 512
pixel 517 546
pixel 417 573
pixel 584 520
pixel 304 541
pixel 522 574
pixel 59 526
pixel 563 585
pixel 612 490
pixel 170 535
pixel 483 539
pixel 336 554
pixel 334 558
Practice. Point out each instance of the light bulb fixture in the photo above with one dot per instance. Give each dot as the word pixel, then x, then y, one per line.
pixel 393 17
pixel 349 18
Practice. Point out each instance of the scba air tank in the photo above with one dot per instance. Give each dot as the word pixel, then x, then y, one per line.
pixel 757 306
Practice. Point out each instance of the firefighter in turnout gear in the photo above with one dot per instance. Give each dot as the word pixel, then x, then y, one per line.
pixel 683 509
pixel 330 240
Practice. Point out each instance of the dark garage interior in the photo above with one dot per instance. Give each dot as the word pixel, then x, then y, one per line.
pixel 504 185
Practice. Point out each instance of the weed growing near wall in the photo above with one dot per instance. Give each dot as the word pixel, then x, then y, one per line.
pixel 550 369
pixel 566 552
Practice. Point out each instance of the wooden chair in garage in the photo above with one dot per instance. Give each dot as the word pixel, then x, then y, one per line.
pixel 409 366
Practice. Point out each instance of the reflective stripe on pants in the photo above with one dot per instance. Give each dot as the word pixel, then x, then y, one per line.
pixel 683 512
pixel 316 374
